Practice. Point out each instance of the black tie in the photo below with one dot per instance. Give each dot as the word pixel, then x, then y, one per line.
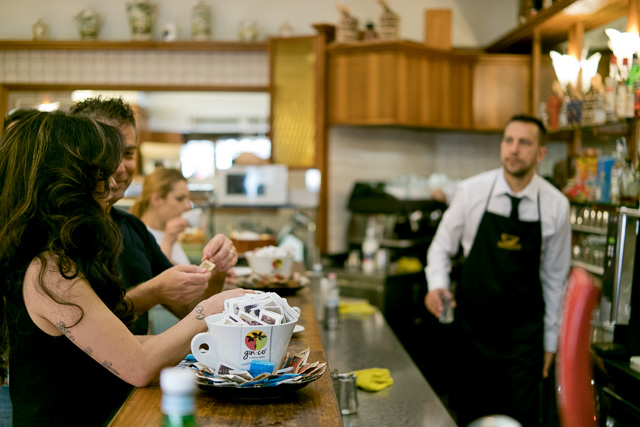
pixel 515 201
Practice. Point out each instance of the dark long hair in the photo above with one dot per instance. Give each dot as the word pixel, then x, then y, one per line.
pixel 54 169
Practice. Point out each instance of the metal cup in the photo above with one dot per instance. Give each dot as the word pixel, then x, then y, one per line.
pixel 345 388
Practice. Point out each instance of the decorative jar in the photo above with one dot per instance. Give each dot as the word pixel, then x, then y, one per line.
pixel 89 24
pixel 40 30
pixel 201 22
pixel 141 16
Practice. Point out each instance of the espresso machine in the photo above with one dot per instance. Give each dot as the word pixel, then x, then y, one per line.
pixel 619 310
pixel 404 227
pixel 617 379
pixel 404 231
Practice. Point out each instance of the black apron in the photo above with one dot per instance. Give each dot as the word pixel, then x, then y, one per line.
pixel 499 322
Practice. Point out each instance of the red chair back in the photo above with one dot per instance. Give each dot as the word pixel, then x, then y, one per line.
pixel 574 369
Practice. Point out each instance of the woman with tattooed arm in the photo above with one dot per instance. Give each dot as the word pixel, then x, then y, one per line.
pixel 72 359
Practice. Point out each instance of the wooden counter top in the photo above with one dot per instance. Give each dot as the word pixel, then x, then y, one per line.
pixel 313 405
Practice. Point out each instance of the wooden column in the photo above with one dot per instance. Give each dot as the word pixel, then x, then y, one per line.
pixel 326 34
pixel 633 25
pixel 576 40
pixel 536 53
pixel 4 103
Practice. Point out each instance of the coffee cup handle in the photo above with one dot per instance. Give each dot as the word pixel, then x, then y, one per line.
pixel 296 309
pixel 206 357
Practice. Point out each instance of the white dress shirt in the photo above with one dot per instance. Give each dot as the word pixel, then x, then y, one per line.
pixel 461 220
pixel 178 255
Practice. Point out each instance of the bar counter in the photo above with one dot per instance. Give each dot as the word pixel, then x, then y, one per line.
pixel 313 405
pixel 358 343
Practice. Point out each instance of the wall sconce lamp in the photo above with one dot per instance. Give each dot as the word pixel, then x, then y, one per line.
pixel 589 70
pixel 567 69
pixel 623 45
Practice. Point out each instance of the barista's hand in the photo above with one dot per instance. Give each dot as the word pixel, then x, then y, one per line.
pixel 181 284
pixel 221 252
pixel 433 301
pixel 174 227
pixel 548 360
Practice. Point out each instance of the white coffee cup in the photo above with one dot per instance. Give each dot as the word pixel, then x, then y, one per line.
pixel 238 346
pixel 194 216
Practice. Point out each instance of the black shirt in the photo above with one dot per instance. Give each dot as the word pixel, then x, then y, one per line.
pixel 53 381
pixel 141 258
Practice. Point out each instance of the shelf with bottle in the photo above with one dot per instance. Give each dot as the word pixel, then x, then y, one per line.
pixel 605 129
pixel 602 183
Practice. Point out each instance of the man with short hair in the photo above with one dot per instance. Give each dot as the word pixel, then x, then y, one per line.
pixel 149 277
pixel 516 236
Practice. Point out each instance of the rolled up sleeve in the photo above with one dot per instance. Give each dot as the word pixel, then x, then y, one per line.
pixel 445 243
pixel 554 271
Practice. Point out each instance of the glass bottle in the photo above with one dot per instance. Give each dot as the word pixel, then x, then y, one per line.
pixel 369 247
pixel 628 186
pixel 178 397
pixel 621 92
pixel 610 91
pixel 632 81
pixel 616 174
pixel 331 297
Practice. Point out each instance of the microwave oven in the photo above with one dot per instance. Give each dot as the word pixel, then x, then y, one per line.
pixel 255 185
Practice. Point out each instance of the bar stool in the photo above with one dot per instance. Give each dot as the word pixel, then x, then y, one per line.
pixel 574 369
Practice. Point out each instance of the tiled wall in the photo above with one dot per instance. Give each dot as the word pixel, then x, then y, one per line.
pixel 380 154
pixel 121 67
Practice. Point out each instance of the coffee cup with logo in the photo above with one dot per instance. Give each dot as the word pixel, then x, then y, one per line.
pixel 238 346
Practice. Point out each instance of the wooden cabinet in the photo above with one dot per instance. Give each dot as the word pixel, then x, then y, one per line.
pixel 500 89
pixel 398 83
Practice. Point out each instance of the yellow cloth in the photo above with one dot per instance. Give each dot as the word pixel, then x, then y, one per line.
pixel 357 308
pixel 373 379
pixel 406 265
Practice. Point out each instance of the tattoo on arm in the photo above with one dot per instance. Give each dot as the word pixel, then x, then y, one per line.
pixel 200 312
pixel 62 327
pixel 109 366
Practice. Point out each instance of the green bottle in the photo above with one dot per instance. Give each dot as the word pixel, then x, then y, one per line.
pixel 633 87
pixel 178 397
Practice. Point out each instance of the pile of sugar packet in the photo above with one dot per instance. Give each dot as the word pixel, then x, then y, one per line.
pixel 263 308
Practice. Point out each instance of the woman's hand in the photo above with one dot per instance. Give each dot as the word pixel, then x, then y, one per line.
pixel 221 252
pixel 174 227
pixel 215 304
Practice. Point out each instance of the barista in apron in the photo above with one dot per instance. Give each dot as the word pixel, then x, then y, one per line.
pixel 498 326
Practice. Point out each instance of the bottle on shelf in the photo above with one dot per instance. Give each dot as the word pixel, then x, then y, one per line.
pixel 370 246
pixel 629 186
pixel 617 171
pixel 610 91
pixel 178 397
pixel 331 298
pixel 633 81
pixel 621 91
